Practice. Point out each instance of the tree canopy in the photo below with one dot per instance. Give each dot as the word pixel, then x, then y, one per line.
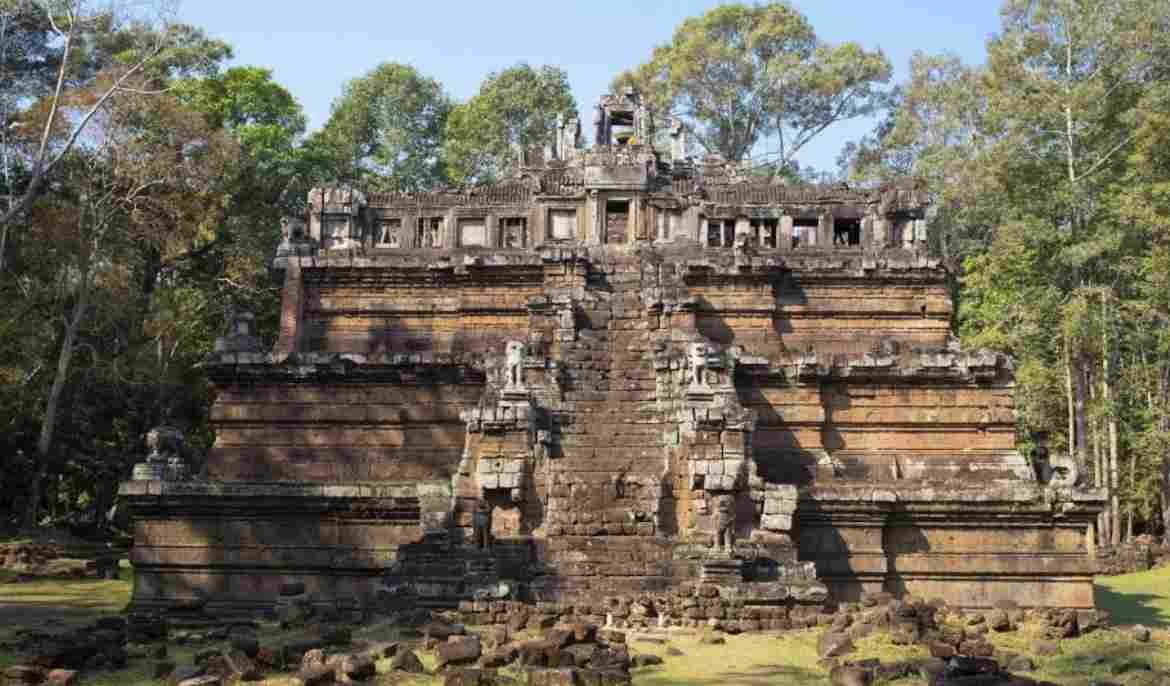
pixel 386 130
pixel 1042 163
pixel 743 75
pixel 514 107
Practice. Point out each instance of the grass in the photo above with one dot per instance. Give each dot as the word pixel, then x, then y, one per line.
pixel 745 660
pixel 54 601
pixel 1140 598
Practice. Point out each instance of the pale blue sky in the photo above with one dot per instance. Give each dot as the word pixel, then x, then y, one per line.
pixel 314 47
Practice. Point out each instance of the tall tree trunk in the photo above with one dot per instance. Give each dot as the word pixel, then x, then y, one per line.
pixel 49 421
pixel 1109 359
pixel 1099 471
pixel 1079 448
pixel 1164 427
pixel 1068 388
pixel 1131 496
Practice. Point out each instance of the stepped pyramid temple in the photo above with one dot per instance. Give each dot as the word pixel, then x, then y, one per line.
pixel 620 382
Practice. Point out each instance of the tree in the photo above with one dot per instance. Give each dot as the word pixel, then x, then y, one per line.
pixel 137 183
pixel 386 130
pixel 515 107
pixel 1042 165
pixel 85 40
pixel 739 75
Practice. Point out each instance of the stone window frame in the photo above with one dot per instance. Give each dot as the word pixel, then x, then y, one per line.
pixel 383 222
pixel 663 217
pixel 502 225
pixel 756 224
pixel 481 217
pixel 726 239
pixel 548 222
pixel 440 238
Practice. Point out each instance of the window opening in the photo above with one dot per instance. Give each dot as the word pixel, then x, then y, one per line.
pixel 720 233
pixel 428 232
pixel 617 219
pixel 390 233
pixel 846 231
pixel 804 231
pixel 764 232
pixel 513 232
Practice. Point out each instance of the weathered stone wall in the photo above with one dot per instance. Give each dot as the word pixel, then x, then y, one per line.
pixel 229 546
pixel 438 318
pixel 340 432
pixel 832 317
pixel 613 411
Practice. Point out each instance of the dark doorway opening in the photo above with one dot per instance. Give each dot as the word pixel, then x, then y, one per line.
pixel 617 219
pixel 846 231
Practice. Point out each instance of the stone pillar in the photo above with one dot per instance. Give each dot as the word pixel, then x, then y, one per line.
pixel 678 141
pixel 600 126
pixel 291 311
pixel 597 207
pixel 867 231
pixel 743 227
pixel 881 232
pixel 692 224
pixel 825 230
pixel 450 233
pixel 491 231
pixel 784 240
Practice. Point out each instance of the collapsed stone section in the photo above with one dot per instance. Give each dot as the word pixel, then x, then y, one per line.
pixel 608 378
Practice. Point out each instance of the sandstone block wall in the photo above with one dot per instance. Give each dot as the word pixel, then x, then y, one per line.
pixel 575 367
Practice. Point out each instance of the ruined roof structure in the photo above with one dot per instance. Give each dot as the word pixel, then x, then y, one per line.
pixel 612 380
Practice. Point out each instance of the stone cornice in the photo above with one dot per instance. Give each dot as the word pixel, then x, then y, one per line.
pixel 415 368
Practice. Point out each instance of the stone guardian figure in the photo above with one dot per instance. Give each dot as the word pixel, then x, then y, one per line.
pixel 724 523
pixel 698 359
pixel 515 353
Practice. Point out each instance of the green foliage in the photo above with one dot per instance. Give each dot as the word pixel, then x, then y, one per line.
pixel 515 107
pixel 1049 170
pixel 386 131
pixel 159 224
pixel 739 75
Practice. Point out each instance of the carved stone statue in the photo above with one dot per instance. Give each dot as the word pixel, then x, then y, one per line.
pixel 292 229
pixel 697 354
pixel 164 442
pixel 165 460
pixel 516 352
pixel 1061 471
pixel 724 520
pixel 481 525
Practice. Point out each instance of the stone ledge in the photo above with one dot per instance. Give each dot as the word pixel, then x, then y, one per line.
pixel 285 489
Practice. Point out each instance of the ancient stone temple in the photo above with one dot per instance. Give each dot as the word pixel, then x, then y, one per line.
pixel 620 377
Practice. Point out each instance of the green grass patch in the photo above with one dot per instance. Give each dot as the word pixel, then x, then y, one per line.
pixel 1139 598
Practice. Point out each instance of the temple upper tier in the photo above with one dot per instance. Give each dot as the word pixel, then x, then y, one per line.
pixel 619 192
